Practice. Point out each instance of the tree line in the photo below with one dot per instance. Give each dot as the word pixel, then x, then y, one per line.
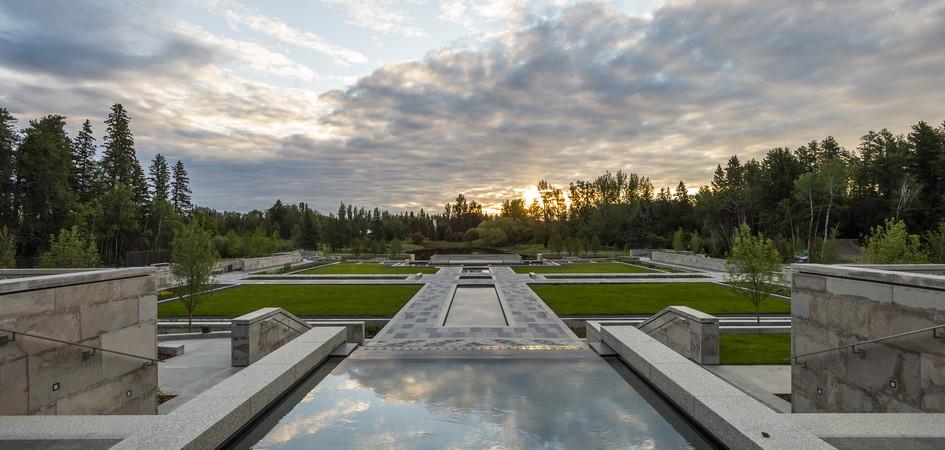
pixel 64 204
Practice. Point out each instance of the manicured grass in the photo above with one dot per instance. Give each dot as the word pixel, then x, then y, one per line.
pixel 301 300
pixel 366 268
pixel 608 267
pixel 755 349
pixel 170 292
pixel 649 298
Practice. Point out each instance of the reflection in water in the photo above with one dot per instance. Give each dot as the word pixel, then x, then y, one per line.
pixel 478 403
pixel 475 306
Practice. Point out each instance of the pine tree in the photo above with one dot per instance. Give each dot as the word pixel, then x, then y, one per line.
pixel 8 140
pixel 160 176
pixel 85 169
pixel 43 170
pixel 180 188
pixel 119 160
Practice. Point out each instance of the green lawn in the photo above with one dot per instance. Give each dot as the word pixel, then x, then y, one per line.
pixel 301 300
pixel 608 267
pixel 649 298
pixel 755 349
pixel 365 268
pixel 170 292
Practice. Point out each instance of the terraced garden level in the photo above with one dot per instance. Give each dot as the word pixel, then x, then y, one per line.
pixel 608 267
pixel 649 298
pixel 365 268
pixel 301 300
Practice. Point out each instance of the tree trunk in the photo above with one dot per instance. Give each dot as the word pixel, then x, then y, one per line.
pixel 190 321
pixel 758 313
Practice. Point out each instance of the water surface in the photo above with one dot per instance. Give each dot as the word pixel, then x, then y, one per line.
pixel 435 403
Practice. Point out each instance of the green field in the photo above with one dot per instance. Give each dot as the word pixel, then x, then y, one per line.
pixel 365 268
pixel 301 300
pixel 649 298
pixel 755 349
pixel 608 267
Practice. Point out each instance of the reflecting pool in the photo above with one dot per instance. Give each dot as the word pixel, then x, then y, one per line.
pixel 573 399
pixel 475 306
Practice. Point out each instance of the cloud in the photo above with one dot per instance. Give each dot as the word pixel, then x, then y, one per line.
pixel 566 95
pixel 382 16
pixel 239 15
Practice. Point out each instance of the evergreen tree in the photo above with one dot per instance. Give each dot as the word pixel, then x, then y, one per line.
pixel 8 141
pixel 160 175
pixel 119 161
pixel 43 171
pixel 85 175
pixel 180 189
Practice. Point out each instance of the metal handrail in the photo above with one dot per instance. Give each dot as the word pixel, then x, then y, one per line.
pixel 60 341
pixel 652 318
pixel 290 326
pixel 862 352
pixel 664 324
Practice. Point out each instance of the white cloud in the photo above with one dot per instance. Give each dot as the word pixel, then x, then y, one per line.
pixel 382 16
pixel 238 15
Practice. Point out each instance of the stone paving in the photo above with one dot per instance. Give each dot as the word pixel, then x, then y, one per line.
pixel 419 324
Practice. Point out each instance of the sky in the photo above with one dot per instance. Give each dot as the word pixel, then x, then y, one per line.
pixel 404 104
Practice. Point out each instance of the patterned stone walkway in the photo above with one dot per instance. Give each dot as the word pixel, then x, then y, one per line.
pixel 419 324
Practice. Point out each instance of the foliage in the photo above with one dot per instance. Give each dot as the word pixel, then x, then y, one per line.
pixel 679 239
pixel 754 266
pixel 70 249
pixel 193 259
pixel 891 243
pixel 7 249
pixel 935 240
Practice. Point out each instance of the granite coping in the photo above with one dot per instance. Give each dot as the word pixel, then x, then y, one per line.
pixel 211 418
pixel 875 275
pixel 71 427
pixel 46 280
pixel 731 416
pixel 863 425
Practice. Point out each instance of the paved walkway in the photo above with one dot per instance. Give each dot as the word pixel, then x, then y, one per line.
pixel 760 382
pixel 205 363
pixel 419 324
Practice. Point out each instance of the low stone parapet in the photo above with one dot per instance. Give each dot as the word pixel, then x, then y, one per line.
pixel 256 334
pixel 728 414
pixel 692 333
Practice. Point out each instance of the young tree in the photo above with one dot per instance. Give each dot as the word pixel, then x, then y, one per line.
pixel 160 176
pixel 180 189
pixel 70 249
pixel 193 257
pixel 891 243
pixel 679 240
pixel 556 243
pixel 396 247
pixel 935 240
pixel 7 248
pixel 753 267
pixel 695 243
pixel 85 168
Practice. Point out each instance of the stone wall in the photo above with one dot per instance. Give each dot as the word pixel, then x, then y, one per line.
pixel 691 260
pixel 276 260
pixel 834 306
pixel 263 262
pixel 692 333
pixel 259 333
pixel 113 309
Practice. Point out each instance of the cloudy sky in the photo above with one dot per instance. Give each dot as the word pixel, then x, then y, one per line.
pixel 403 104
